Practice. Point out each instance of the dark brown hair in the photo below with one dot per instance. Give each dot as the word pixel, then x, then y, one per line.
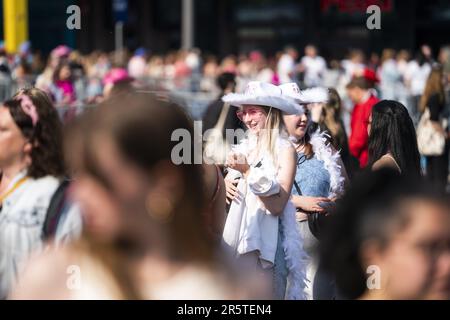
pixel 141 127
pixel 332 119
pixel 307 147
pixel 58 69
pixel 45 137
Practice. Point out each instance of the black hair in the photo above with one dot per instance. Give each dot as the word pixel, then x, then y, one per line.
pixel 393 131
pixel 421 59
pixel 371 209
pixel 225 79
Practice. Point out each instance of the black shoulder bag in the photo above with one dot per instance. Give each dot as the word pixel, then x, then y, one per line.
pixel 315 220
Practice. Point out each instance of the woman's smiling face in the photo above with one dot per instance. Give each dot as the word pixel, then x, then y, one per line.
pixel 297 125
pixel 254 117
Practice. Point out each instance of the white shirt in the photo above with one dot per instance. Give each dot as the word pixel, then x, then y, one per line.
pixel 250 227
pixel 285 66
pixel 21 221
pixel 417 76
pixel 315 68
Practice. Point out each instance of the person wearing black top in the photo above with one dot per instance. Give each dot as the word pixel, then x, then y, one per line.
pixel 437 166
pixel 433 99
pixel 227 83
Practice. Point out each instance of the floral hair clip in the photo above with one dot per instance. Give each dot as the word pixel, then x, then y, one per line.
pixel 29 108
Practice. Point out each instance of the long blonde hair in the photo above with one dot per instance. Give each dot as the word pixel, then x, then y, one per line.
pixel 267 141
pixel 433 86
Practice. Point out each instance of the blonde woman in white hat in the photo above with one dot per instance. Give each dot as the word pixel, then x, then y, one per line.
pixel 261 218
pixel 319 179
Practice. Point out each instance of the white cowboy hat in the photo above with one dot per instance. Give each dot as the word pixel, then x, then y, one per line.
pixel 313 95
pixel 263 94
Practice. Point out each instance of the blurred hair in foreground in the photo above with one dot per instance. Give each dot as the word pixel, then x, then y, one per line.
pixel 145 234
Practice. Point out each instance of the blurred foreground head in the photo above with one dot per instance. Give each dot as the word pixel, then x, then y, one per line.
pixel 126 183
pixel 390 239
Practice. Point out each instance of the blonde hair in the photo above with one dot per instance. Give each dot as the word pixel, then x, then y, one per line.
pixel 433 86
pixel 267 142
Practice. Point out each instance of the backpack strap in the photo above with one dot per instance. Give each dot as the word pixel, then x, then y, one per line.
pixel 297 188
pixel 55 210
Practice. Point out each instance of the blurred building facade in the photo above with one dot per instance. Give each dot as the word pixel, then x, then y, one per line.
pixel 233 26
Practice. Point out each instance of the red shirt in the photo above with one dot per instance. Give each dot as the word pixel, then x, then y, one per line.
pixel 358 142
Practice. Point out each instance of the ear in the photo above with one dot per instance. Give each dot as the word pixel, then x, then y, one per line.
pixel 27 148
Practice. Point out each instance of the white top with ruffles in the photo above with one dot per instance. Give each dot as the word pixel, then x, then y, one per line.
pixel 250 227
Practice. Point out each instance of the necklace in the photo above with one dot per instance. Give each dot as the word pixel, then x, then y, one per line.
pixel 13 188
pixel 299 145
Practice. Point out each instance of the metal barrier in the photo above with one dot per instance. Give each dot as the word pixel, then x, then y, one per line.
pixel 184 91
pixel 194 103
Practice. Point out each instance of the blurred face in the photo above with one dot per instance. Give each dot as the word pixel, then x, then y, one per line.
pixel 443 56
pixel 20 72
pixel 12 142
pixel 355 94
pixel 310 51
pixel 99 208
pixel 254 117
pixel 54 61
pixel 416 262
pixel 64 73
pixel 297 125
pixel 358 58
pixel 426 50
pixel 293 53
pixel 110 207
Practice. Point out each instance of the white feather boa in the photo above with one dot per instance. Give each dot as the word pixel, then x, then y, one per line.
pixel 324 152
pixel 296 258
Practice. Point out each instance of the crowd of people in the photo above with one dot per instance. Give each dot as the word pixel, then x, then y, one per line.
pixel 400 74
pixel 305 205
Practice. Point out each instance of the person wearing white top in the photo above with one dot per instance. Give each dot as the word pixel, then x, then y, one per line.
pixel 286 65
pixel 21 220
pixel 314 67
pixel 261 219
pixel 416 77
pixel 30 165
